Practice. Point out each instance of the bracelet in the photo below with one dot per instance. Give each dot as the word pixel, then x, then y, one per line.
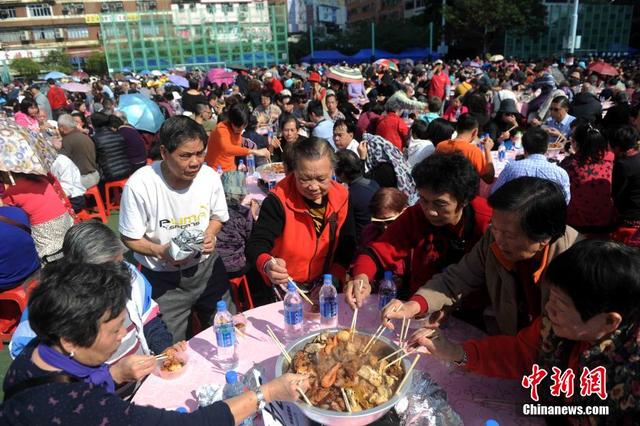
pixel 261 401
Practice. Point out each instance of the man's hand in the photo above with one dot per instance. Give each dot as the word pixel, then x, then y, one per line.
pixel 276 270
pixel 363 150
pixel 209 243
pixel 357 290
pixel 132 368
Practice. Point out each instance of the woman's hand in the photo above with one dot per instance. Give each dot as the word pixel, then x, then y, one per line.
pixel 132 368
pixel 275 142
pixel 437 345
pixel 363 150
pixel 181 346
pixel 398 310
pixel 285 387
pixel 357 290
pixel 276 270
pixel 503 136
pixel 263 152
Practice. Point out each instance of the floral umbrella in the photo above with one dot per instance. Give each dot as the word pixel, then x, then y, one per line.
pixel 23 151
pixel 387 63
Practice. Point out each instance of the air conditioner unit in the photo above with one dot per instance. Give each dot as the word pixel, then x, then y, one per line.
pixel 59 33
pixel 65 10
pixel 25 36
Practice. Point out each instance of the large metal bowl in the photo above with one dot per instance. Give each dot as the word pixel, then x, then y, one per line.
pixel 336 418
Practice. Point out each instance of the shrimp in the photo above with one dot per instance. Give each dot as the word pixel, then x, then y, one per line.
pixel 329 379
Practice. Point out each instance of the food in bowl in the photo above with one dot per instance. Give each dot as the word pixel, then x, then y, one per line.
pixel 172 364
pixel 335 361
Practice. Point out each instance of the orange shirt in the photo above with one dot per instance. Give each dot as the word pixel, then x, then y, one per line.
pixel 470 151
pixel 224 145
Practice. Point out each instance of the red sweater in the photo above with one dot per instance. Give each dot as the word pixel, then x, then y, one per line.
pixel 413 238
pixel 56 97
pixel 393 128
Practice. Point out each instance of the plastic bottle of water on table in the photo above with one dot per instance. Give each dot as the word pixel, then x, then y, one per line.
pixel 272 181
pixel 502 152
pixel 292 313
pixel 234 387
pixel 242 167
pixel 328 303
pixel 251 164
pixel 386 290
pixel 225 337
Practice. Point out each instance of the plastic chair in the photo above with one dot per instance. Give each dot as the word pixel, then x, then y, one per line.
pixel 236 284
pixel 12 303
pixel 100 213
pixel 113 204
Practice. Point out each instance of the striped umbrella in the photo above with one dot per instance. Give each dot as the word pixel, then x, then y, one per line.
pixel 386 63
pixel 344 74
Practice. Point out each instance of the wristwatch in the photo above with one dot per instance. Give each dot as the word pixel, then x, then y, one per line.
pixel 261 401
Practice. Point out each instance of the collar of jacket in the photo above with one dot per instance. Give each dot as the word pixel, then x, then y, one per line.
pixel 286 190
pixel 511 266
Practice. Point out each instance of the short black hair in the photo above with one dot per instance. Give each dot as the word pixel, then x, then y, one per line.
pixel 51 81
pixel 194 84
pixel 562 100
pixel 73 297
pixel 315 107
pixel 419 129
pixel 312 148
pixel 535 141
pixel 466 123
pixel 330 95
pixel 439 130
pixel 625 138
pixel 540 203
pixel 451 173
pixel 85 122
pixel 434 103
pixel 341 122
pixel 599 277
pixel 200 106
pixel 267 93
pixel 238 114
pixel 100 119
pixel 178 129
pixel 27 103
pixel 348 164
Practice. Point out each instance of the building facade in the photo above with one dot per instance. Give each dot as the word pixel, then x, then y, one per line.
pixel 326 15
pixel 601 28
pixel 365 11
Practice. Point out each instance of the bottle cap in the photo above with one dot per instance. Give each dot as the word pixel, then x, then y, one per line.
pixel 241 162
pixel 327 278
pixel 182 410
pixel 388 275
pixel 231 377
pixel 221 305
pixel 491 422
pixel 291 287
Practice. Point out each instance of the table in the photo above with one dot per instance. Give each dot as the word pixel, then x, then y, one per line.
pixel 474 397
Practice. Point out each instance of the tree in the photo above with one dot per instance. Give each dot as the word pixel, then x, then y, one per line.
pixel 26 67
pixel 58 60
pixel 96 63
pixel 488 20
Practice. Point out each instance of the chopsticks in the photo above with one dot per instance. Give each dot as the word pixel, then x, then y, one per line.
pixel 278 344
pixel 304 296
pixel 162 356
pixel 354 320
pixel 396 360
pixel 346 400
pixel 304 396
pixel 404 331
pixel 375 336
pixel 391 354
pixel 406 376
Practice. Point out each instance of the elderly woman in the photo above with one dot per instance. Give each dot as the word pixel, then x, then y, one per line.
pixel 527 231
pixel 78 313
pixel 435 233
pixel 306 227
pixel 94 242
pixel 589 323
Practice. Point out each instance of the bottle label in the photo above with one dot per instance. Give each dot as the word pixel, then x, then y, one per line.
pixel 329 308
pixel 385 298
pixel 225 335
pixel 293 316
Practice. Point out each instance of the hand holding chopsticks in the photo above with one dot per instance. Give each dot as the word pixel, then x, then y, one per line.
pixel 302 293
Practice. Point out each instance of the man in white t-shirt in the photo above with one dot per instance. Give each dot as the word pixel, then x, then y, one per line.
pixel 159 202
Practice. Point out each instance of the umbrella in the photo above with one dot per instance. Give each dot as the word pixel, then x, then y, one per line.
pixel 80 74
pixel 179 80
pixel 344 74
pixel 386 63
pixel 144 72
pixel 142 113
pixel 300 73
pixel 76 87
pixel 22 151
pixel 496 58
pixel 126 70
pixel 156 73
pixel 472 64
pixel 603 68
pixel 220 75
pixel 55 75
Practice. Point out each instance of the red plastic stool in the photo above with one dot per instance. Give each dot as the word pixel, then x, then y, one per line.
pixel 100 213
pixel 236 284
pixel 117 187
pixel 12 303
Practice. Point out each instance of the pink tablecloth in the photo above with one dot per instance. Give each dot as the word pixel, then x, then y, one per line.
pixel 474 397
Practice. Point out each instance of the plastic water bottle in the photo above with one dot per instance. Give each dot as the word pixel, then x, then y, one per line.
pixel 387 290
pixel 502 152
pixel 292 313
pixel 242 167
pixel 328 303
pixel 225 337
pixel 480 144
pixel 272 181
pixel 517 140
pixel 234 388
pixel 251 164
pixel 219 170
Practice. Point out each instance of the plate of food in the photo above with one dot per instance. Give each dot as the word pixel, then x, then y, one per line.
pixel 172 364
pixel 267 169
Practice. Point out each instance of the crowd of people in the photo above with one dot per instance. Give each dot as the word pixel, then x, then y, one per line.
pixel 402 170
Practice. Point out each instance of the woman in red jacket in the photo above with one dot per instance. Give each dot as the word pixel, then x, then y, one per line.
pixel 590 330
pixel 445 224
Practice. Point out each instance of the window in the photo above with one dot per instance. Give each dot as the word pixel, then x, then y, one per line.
pixel 244 7
pixel 211 8
pixel 9 36
pixel 37 10
pixel 260 6
pixel 78 32
pixel 150 30
pixel 146 5
pixel 7 12
pixel 44 33
pixel 227 7
pixel 111 7
pixel 73 9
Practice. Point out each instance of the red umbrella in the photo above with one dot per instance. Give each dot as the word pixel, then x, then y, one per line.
pixel 80 74
pixel 603 68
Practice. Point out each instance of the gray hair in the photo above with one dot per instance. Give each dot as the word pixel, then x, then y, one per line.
pixel 67 121
pixel 92 242
pixel 312 148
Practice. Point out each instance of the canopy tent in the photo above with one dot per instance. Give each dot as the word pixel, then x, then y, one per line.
pixel 330 56
pixel 364 55
pixel 418 54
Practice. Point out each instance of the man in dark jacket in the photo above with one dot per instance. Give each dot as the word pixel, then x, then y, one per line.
pixel 586 105
pixel 111 149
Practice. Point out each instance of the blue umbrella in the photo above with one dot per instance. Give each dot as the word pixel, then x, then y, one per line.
pixel 145 72
pixel 142 113
pixel 179 80
pixel 126 70
pixel 55 75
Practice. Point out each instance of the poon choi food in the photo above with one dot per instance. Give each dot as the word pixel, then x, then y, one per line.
pixel 172 363
pixel 335 360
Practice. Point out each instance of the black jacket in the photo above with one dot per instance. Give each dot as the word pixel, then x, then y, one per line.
pixel 111 155
pixel 586 106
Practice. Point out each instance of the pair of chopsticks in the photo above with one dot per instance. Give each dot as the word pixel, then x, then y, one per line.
pixel 354 320
pixel 302 293
pixel 381 329
pixel 404 331
pixel 397 360
pixel 408 373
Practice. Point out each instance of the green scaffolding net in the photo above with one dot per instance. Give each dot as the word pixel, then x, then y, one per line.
pixel 195 37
